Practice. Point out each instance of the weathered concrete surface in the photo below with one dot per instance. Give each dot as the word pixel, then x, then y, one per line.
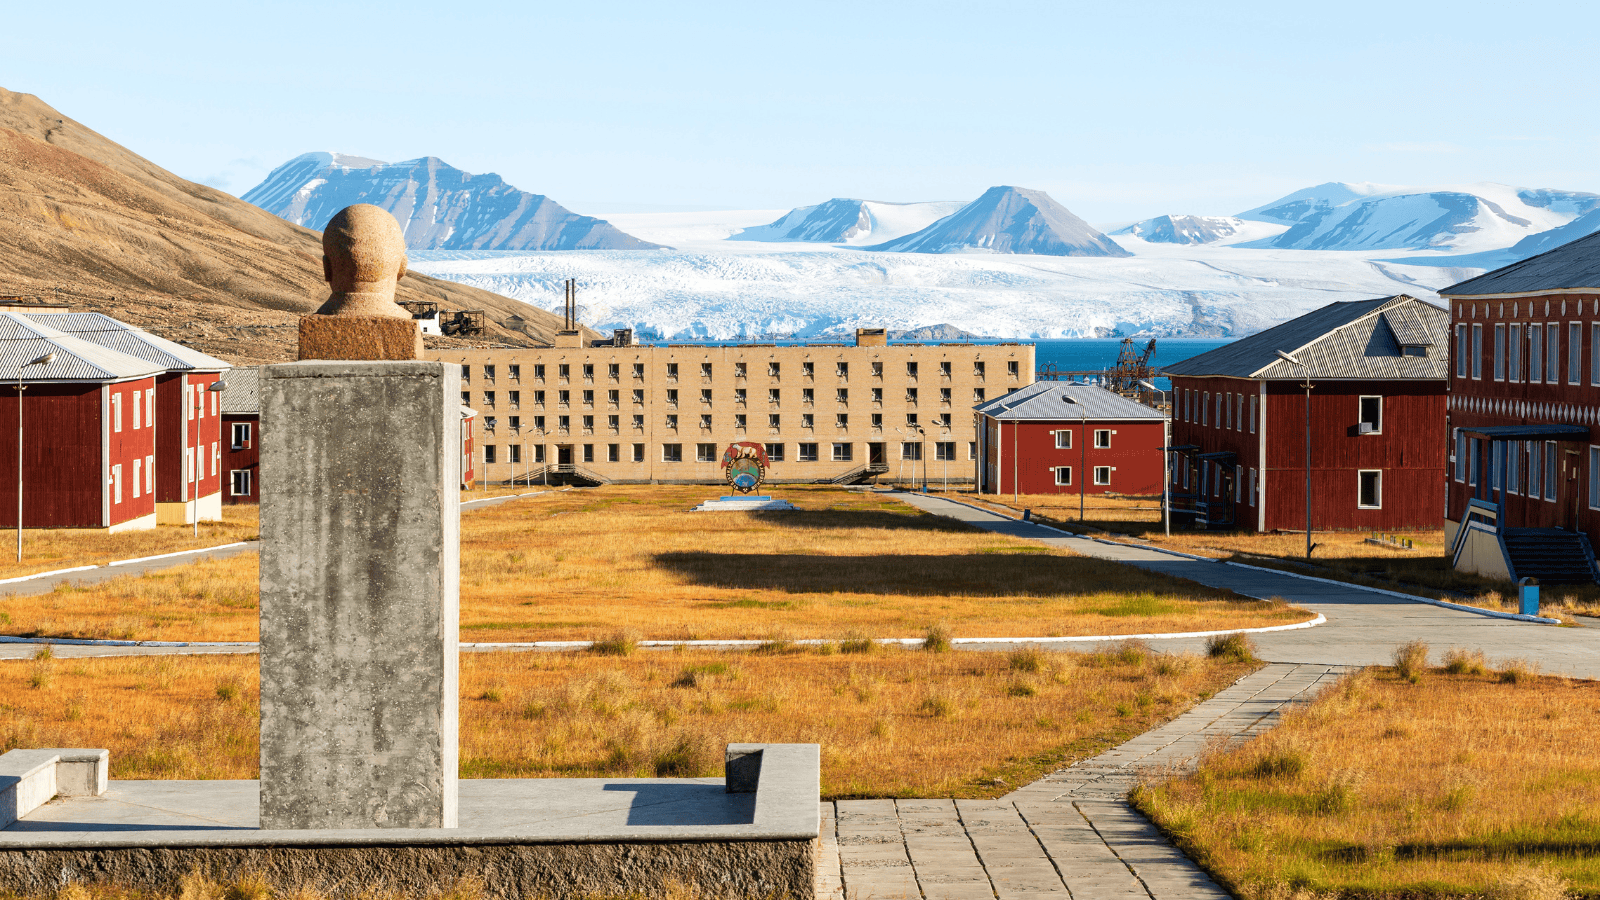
pixel 713 869
pixel 360 570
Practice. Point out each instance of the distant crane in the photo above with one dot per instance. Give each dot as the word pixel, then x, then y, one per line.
pixel 1132 367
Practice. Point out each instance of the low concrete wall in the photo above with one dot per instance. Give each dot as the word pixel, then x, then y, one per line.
pixel 1482 554
pixel 31 778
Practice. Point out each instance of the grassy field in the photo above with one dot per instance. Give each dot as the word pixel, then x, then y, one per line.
pixel 1405 783
pixel 45 549
pixel 591 564
pixel 892 722
pixel 1341 555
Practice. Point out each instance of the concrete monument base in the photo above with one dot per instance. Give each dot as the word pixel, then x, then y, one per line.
pixel 753 834
pixel 743 504
pixel 360 338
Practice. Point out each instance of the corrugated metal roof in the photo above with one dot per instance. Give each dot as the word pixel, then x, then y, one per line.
pixel 1352 339
pixel 1572 265
pixel 122 337
pixel 1045 401
pixel 23 340
pixel 243 395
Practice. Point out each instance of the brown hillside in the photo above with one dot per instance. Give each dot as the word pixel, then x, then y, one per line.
pixel 86 220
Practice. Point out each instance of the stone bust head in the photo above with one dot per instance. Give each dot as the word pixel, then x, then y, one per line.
pixel 363 259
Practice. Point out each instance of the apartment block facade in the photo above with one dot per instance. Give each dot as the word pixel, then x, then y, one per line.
pixel 631 413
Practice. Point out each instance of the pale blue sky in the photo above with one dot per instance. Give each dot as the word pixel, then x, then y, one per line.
pixel 1119 110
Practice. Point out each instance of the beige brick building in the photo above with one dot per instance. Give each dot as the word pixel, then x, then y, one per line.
pixel 615 411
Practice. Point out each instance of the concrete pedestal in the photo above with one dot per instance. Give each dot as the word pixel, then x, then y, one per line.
pixel 360 569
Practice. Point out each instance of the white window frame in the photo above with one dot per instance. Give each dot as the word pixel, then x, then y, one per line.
pixel 1552 484
pixel 150 407
pixel 216 457
pixel 1499 351
pixel 136 402
pixel 1594 477
pixel 1063 439
pixel 1102 475
pixel 138 471
pixel 1574 353
pixel 1535 353
pixel 1552 351
pixel 669 450
pixel 150 474
pixel 843 451
pixel 1106 433
pixel 704 452
pixel 1238 484
pixel 116 483
pixel 1252 487
pixel 234 478
pixel 1477 352
pixel 1068 476
pixel 1360 420
pixel 1360 473
pixel 116 413
pixel 1461 351
pixel 1514 341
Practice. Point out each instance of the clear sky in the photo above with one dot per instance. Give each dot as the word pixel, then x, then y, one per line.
pixel 1120 110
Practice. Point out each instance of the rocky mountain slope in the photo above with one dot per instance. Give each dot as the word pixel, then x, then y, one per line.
pixel 1184 229
pixel 1009 220
pixel 853 222
pixel 93 224
pixel 440 207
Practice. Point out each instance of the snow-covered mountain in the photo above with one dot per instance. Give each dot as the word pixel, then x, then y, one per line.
pixel 854 222
pixel 1198 230
pixel 1459 219
pixel 1009 220
pixel 439 206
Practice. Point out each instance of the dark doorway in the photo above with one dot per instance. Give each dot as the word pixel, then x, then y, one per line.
pixel 564 455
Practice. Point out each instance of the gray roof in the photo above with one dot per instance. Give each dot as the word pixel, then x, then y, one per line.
pixel 1353 339
pixel 23 340
pixel 1046 401
pixel 120 336
pixel 243 394
pixel 1572 265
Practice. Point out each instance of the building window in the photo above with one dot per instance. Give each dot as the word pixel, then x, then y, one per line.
pixel 116 484
pixel 1253 399
pixel 613 374
pixel 514 372
pixel 911 418
pixel 738 421
pixel 672 453
pixel 1552 340
pixel 808 369
pixel 841 369
pixel 910 450
pixel 1550 471
pixel 1370 491
pixel 239 482
pixel 911 396
pixel 514 453
pixel 911 369
pixel 1064 475
pixel 774 420
pixel 538 424
pixel 841 420
pixel 977 369
pixel 638 453
pixel 241 435
pixel 705 370
pixel 116 412
pixel 1012 368
pixel 1102 438
pixel 150 407
pixel 1594 353
pixel 538 372
pixel 773 369
pixel 672 371
pixel 149 474
pixel 843 452
pixel 672 422
pixel 977 395
pixel 1371 410
pixel 488 454
pixel 972 449
pixel 773 395
pixel 638 372
pixel 842 395
pixel 877 420
pixel 806 421
pixel 1252 487
pixel 638 397
pixel 1063 440
pixel 564 371
pixel 738 396
pixel 1238 484
pixel 538 453
pixel 1477 351
pixel 1499 353
pixel 1574 353
pixel 705 420
pixel 1205 405
pixel 806 452
pixel 564 398
pixel 588 453
pixel 137 466
pixel 1102 475
pixel 944 450
pixel 1535 468
pixel 638 421
pixel 1594 477
pixel 515 398
pixel 1514 464
pixel 774 452
pixel 488 424
pixel 466 374
pixel 738 370
pixel 588 424
pixel 705 453
pixel 588 398
pixel 613 453
pixel 808 395
pixel 1535 354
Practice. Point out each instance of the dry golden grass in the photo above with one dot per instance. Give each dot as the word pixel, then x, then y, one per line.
pixel 583 565
pixel 45 549
pixel 1456 785
pixel 892 722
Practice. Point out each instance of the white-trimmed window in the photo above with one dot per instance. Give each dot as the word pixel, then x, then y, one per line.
pixel 910 450
pixel 1252 487
pixel 1064 475
pixel 1369 488
pixel 241 435
pixel 1102 438
pixel 1253 399
pixel 150 474
pixel 1063 440
pixel 1594 477
pixel 1461 351
pixel 116 484
pixel 1205 405
pixel 706 453
pixel 1238 484
pixel 1477 351
pixel 1102 474
pixel 1514 354
pixel 1514 467
pixel 1499 353
pixel 1535 354
pixel 1535 469
pixel 671 453
pixel 138 473
pixel 1370 411
pixel 1594 352
pixel 806 452
pixel 239 482
pixel 1552 348
pixel 1550 471
pixel 944 450
pixel 1574 353
pixel 136 401
pixel 843 452
pixel 116 412
pixel 972 449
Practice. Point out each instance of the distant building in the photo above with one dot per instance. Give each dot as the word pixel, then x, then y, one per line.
pixel 188 480
pixel 1523 413
pixel 1058 438
pixel 613 411
pixel 1378 371
pixel 241 432
pixel 468 472
pixel 88 418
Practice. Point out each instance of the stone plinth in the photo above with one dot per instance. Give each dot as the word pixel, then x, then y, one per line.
pixel 360 338
pixel 360 543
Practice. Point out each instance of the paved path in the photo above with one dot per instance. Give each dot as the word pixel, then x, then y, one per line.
pixel 1069 835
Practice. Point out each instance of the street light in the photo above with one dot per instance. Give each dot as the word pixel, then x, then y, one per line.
pixel 200 410
pixel 1304 368
pixel 44 360
pixel 1083 450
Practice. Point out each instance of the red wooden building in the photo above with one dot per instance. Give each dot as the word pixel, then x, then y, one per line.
pixel 188 423
pixel 241 430
pixel 469 418
pixel 1057 438
pixel 1524 414
pixel 1378 373
pixel 88 438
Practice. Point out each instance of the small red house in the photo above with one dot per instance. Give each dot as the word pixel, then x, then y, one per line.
pixel 88 438
pixel 188 429
pixel 1057 438
pixel 241 430
pixel 1377 422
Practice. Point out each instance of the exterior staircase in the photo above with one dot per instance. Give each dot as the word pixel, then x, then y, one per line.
pixel 858 475
pixel 1551 555
pixel 561 474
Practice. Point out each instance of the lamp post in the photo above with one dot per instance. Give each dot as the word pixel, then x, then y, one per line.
pixel 198 468
pixel 44 360
pixel 1307 385
pixel 1083 450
